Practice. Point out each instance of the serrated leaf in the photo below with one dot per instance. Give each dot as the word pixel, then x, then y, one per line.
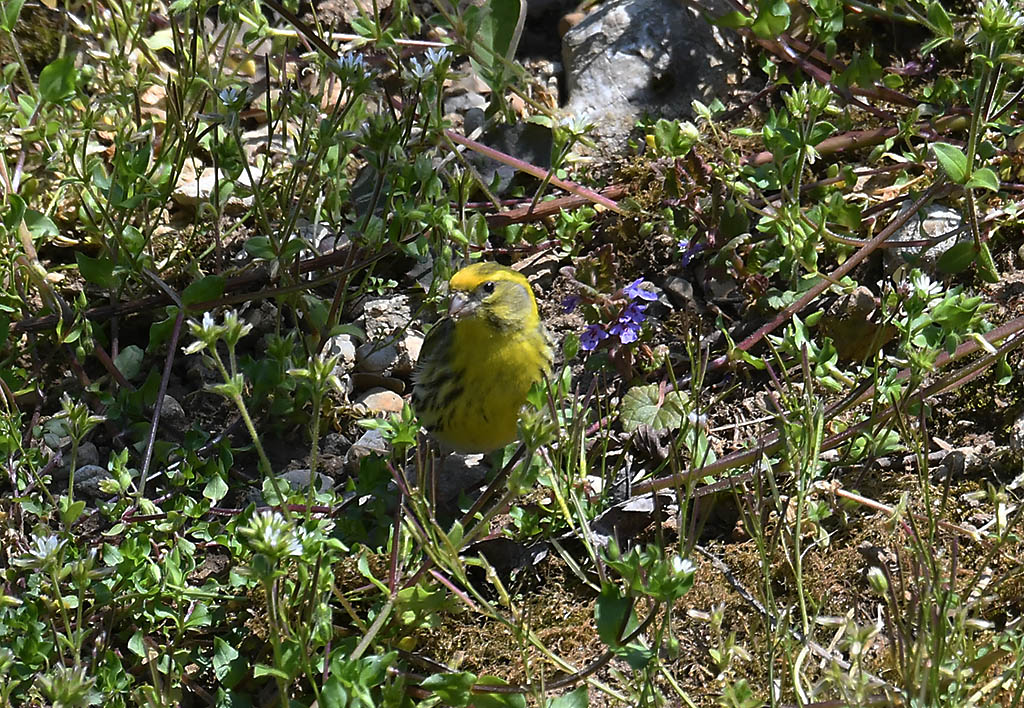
pixel 647 405
pixel 203 290
pixel 953 161
pixel 984 178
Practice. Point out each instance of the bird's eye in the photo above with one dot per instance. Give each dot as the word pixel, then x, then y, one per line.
pixel 488 287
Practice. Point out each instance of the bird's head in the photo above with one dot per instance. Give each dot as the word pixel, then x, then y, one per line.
pixel 492 294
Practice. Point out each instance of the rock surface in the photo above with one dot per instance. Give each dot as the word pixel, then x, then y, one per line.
pixel 637 57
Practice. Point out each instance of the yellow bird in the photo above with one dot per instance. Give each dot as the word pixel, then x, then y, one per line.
pixel 478 363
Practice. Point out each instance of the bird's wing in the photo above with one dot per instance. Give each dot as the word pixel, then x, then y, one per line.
pixel 437 343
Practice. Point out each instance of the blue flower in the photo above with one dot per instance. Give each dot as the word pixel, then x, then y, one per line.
pixel 569 303
pixel 625 330
pixel 592 337
pixel 634 312
pixel 633 291
pixel 689 251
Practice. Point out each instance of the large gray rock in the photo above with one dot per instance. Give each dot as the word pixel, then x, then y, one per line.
pixel 941 226
pixel 632 57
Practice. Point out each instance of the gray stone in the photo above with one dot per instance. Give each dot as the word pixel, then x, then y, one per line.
pixel 409 346
pixel 299 479
pixel 529 142
pixel 680 293
pixel 344 347
pixel 380 400
pixel 201 191
pixel 88 455
pixel 540 269
pixel 460 474
pixel 88 479
pixel 635 57
pixel 942 226
pixel 372 442
pixel 376 357
pixel 383 317
pixel 172 416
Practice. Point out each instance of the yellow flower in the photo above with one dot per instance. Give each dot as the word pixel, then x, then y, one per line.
pixel 478 363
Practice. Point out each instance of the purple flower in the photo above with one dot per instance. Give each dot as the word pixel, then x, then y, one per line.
pixel 625 330
pixel 689 251
pixel 569 303
pixel 592 337
pixel 634 312
pixel 634 291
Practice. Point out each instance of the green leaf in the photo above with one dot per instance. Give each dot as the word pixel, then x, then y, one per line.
pixel 226 665
pixel 957 259
pixel 198 617
pixel 772 19
pixel 613 615
pixel 98 271
pixel 14 215
pixel 259 247
pixel 646 405
pixel 129 361
pixel 636 655
pixel 733 20
pixel 506 23
pixel 215 489
pixel 576 699
pixel 953 161
pixel 986 266
pixel 497 700
pixel 9 14
pixel 984 178
pixel 938 16
pixel 354 331
pixel 452 689
pixel 40 225
pixel 203 290
pixel 259 670
pixel 70 511
pixel 160 331
pixel 1004 372
pixel 57 79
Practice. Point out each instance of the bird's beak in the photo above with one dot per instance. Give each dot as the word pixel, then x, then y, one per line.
pixel 458 305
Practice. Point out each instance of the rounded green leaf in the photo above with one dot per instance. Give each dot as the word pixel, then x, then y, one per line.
pixel 203 290
pixel 57 79
pixel 953 161
pixel 648 405
pixel 957 259
pixel 984 178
